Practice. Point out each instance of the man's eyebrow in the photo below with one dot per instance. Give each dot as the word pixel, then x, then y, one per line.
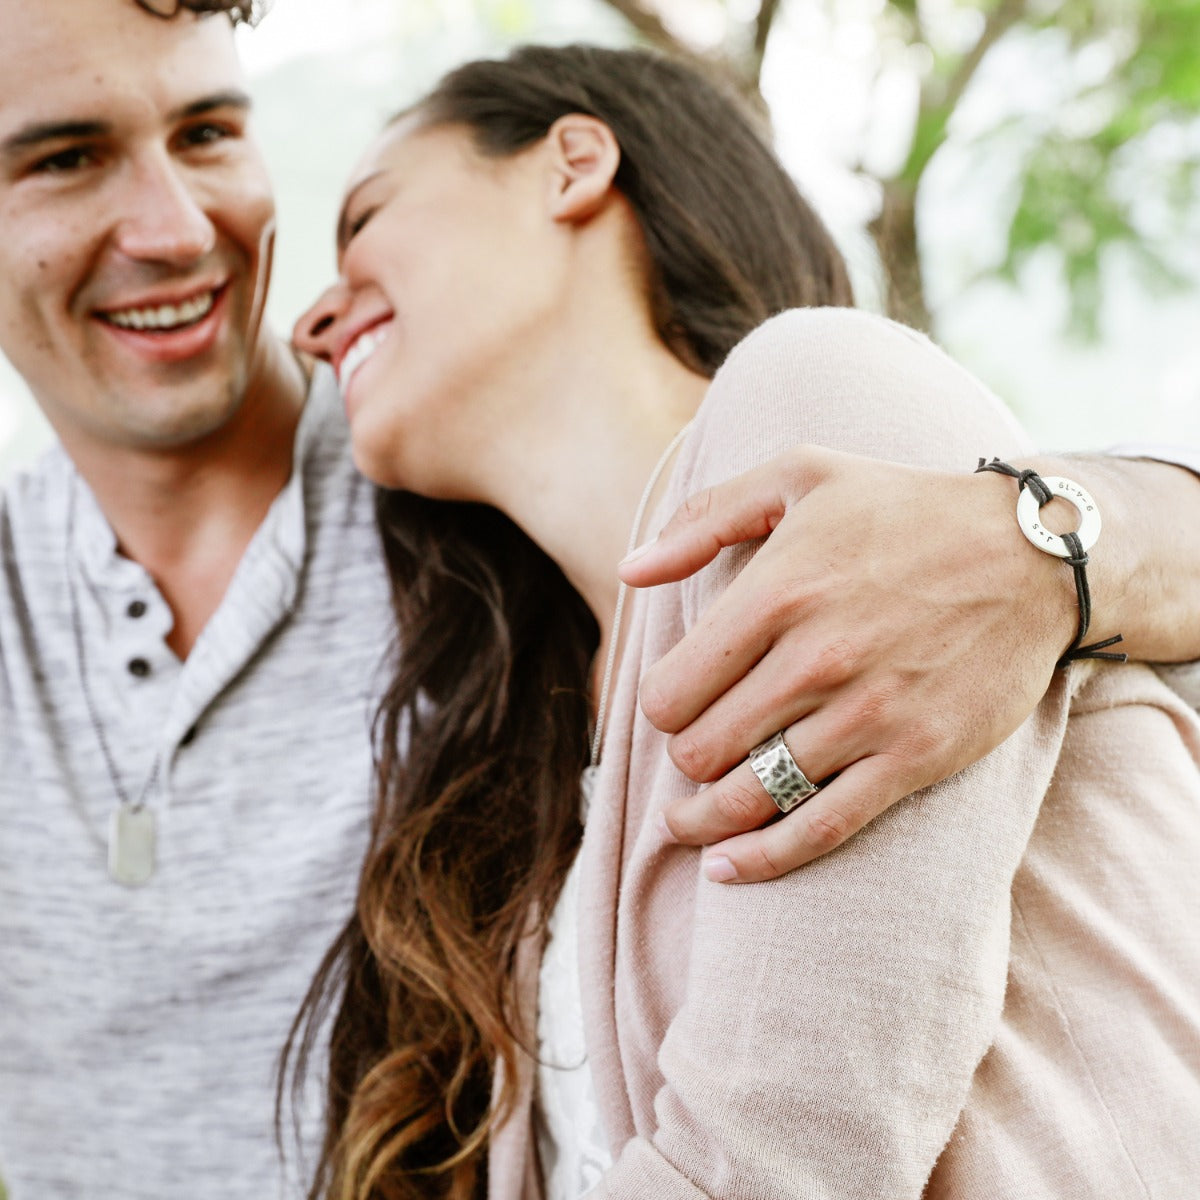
pixel 40 132
pixel 231 98
pixel 50 131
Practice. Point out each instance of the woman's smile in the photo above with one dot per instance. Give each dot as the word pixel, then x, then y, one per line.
pixel 361 347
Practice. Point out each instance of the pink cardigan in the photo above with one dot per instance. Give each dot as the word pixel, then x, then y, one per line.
pixel 993 991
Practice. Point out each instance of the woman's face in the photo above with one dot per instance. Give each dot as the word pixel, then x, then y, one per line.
pixel 448 271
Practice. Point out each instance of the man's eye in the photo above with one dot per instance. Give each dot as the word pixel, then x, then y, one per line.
pixel 75 158
pixel 205 134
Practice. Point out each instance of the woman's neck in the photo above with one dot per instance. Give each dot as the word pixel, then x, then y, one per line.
pixel 572 475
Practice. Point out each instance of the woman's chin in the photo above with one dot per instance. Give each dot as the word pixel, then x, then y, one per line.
pixel 373 460
pixel 398 453
pixel 378 459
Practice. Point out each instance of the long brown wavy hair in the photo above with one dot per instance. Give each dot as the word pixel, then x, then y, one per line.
pixel 482 733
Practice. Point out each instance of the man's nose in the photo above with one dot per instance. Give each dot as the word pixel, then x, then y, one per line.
pixel 163 220
pixel 314 331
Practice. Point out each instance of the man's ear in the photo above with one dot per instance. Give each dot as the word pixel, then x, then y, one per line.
pixel 584 156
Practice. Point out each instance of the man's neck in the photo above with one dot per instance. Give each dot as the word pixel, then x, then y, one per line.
pixel 187 515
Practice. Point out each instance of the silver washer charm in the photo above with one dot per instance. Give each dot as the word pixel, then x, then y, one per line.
pixel 777 771
pixel 1029 517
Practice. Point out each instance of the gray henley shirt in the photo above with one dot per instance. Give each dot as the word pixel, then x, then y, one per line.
pixel 140 1027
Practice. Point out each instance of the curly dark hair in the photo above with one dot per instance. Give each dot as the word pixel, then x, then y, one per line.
pixel 244 12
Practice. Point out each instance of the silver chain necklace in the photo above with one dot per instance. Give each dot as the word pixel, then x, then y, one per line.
pixel 589 775
pixel 132 832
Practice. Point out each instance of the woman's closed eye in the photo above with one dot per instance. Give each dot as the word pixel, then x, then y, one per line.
pixel 353 224
pixel 360 221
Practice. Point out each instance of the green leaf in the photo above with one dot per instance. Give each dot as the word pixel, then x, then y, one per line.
pixel 511 18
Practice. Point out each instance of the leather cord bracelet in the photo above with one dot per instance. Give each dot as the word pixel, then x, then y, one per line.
pixel 1072 548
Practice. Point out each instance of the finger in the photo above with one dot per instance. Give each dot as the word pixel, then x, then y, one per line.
pixel 795 676
pixel 739 510
pixel 717 651
pixel 838 811
pixel 738 802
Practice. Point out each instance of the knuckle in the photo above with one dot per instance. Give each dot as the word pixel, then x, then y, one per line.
pixel 796 462
pixel 924 740
pixel 805 467
pixel 840 659
pixel 760 864
pixel 695 508
pixel 690 755
pixel 657 701
pixel 826 829
pixel 834 663
pixel 741 806
pixel 871 707
pixel 783 604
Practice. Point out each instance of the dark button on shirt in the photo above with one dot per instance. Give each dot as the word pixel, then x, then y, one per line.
pixel 139 667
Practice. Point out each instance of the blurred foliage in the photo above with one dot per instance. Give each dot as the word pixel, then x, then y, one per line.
pixel 1101 171
pixel 1111 165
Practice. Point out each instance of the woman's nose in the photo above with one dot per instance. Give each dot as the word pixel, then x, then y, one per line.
pixel 314 331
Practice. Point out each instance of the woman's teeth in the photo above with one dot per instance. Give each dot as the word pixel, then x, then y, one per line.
pixel 360 350
pixel 164 316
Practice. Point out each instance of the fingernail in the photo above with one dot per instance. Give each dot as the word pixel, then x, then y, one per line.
pixel 634 555
pixel 664 830
pixel 719 869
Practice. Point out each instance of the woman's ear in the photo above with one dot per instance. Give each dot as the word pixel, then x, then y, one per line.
pixel 584 156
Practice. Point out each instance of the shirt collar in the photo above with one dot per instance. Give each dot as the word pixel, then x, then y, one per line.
pixel 94 544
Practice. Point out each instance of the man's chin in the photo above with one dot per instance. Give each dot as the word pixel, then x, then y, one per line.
pixel 186 426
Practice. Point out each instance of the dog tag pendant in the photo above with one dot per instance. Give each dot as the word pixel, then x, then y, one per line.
pixel 131 845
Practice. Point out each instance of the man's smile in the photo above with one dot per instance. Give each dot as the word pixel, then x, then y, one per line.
pixel 163 316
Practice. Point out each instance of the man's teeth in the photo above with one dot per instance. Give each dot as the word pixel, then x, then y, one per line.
pixel 164 316
pixel 360 350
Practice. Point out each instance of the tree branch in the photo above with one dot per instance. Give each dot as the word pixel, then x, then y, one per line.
pixel 768 10
pixel 1000 20
pixel 937 105
pixel 650 26
pixel 720 65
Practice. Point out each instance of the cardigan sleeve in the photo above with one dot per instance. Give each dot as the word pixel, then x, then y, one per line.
pixel 831 1020
pixel 1183 678
pixel 1187 457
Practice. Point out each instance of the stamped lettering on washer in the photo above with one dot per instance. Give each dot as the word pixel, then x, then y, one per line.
pixel 1068 490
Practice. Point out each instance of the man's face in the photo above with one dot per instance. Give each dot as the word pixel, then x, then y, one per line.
pixel 136 220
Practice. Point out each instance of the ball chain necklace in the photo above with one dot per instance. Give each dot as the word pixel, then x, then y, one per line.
pixel 132 831
pixel 132 826
pixel 592 769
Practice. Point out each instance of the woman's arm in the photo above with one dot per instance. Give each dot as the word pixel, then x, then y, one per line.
pixel 904 607
pixel 831 1021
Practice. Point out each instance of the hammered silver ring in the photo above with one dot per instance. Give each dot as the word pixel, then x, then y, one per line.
pixel 777 771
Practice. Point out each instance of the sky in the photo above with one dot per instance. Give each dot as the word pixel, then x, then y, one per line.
pixel 323 85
